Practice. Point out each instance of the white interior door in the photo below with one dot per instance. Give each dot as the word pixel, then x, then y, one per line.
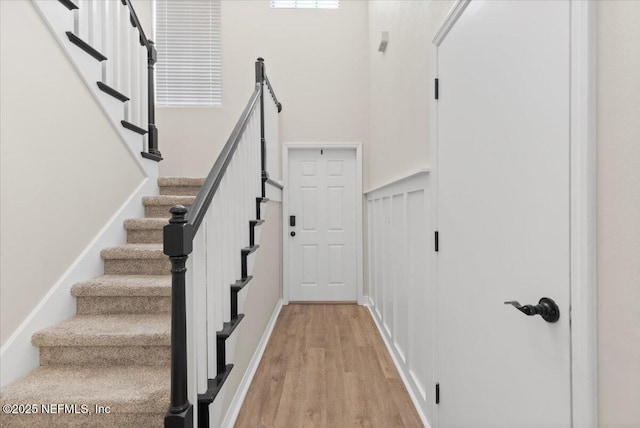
pixel 322 224
pixel 503 199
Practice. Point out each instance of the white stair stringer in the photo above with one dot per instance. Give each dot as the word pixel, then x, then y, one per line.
pixel 59 19
pixel 215 408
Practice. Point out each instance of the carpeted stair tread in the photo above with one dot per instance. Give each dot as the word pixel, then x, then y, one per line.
pixel 180 181
pixel 159 206
pixel 134 251
pixel 124 285
pixel 145 223
pixel 167 200
pixel 108 330
pixel 123 389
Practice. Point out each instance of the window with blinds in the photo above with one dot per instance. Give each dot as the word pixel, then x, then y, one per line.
pixel 305 4
pixel 189 67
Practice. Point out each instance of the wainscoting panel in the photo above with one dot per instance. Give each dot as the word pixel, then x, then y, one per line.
pixel 402 291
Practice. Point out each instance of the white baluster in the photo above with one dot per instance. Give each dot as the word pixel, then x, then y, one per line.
pixel 227 247
pixel 258 165
pixel 213 279
pixel 258 149
pixel 144 112
pixel 235 225
pixel 134 75
pixel 256 162
pixel 245 194
pixel 125 58
pixel 116 45
pixel 199 255
pixel 105 37
pixel 95 25
pixel 82 24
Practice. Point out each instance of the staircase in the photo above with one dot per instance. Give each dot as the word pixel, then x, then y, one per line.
pixel 115 353
pixel 152 339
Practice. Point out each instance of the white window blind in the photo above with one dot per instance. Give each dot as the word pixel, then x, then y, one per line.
pixel 305 4
pixel 189 67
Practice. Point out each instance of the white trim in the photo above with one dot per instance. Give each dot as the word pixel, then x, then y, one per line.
pixel 18 356
pixel 398 180
pixel 584 326
pixel 392 352
pixel 584 321
pixel 451 18
pixel 241 393
pixel 285 208
pixel 433 155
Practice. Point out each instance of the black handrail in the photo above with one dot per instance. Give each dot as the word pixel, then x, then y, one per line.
pixel 152 57
pixel 178 244
pixel 273 94
pixel 205 196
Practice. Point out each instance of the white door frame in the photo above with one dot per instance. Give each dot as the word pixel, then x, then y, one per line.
pixel 285 209
pixel 583 206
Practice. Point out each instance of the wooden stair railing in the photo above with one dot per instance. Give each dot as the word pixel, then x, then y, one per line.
pixel 210 247
pixel 110 32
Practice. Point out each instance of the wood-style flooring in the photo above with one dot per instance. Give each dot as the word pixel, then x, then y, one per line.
pixel 326 366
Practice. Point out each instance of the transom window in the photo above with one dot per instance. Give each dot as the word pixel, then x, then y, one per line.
pixel 305 4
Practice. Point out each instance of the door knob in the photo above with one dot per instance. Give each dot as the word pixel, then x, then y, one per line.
pixel 292 234
pixel 546 308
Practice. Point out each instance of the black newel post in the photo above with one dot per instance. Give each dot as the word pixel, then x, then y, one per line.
pixel 152 58
pixel 178 244
pixel 263 146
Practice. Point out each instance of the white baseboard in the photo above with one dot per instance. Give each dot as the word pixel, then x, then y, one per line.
pixel 18 356
pixel 234 408
pixel 403 376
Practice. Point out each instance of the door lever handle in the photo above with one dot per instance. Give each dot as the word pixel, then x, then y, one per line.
pixel 546 308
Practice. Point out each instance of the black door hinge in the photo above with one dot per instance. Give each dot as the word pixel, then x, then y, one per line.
pixel 437 393
pixel 436 239
pixel 437 89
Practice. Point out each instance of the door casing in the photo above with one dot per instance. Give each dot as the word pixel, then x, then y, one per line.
pixel 583 204
pixel 357 147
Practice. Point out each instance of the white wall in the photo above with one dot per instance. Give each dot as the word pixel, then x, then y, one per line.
pixel 619 212
pixel 400 86
pixel 64 169
pixel 316 61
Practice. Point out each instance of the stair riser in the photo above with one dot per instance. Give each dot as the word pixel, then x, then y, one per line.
pixel 96 305
pixel 144 236
pixel 105 355
pixel 137 267
pixel 179 190
pixel 158 211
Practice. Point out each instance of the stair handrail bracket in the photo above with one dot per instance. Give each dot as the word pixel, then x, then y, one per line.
pixel 220 222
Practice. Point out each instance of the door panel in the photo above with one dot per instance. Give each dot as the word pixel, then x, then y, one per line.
pixel 503 215
pixel 322 254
